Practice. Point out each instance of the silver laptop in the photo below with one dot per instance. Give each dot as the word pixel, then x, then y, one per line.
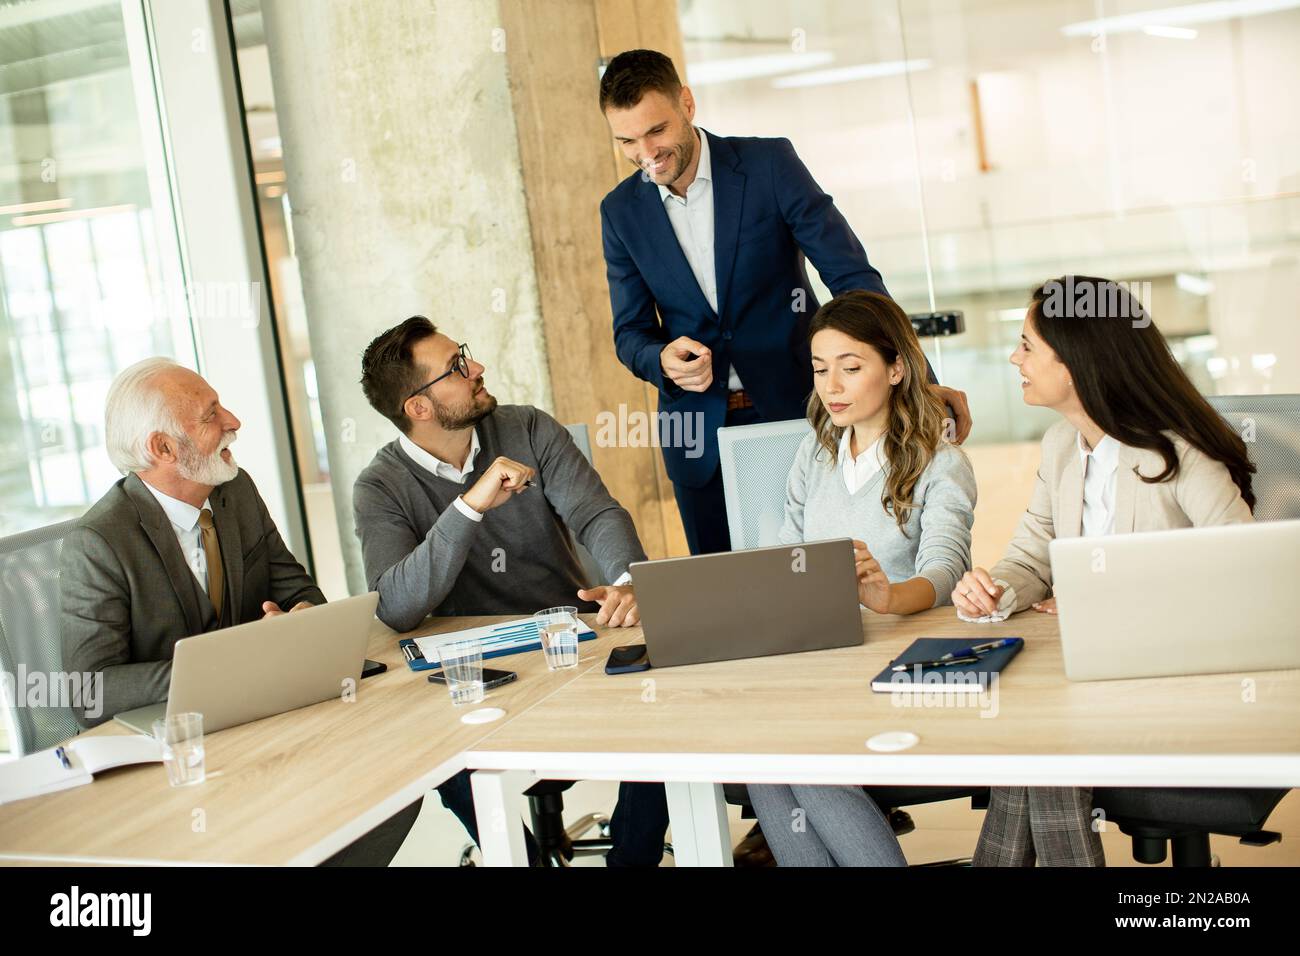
pixel 265 667
pixel 721 607
pixel 1187 601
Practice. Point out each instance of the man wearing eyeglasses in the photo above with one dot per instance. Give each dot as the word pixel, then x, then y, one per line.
pixel 473 510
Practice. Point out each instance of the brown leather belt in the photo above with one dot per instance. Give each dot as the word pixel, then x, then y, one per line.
pixel 737 400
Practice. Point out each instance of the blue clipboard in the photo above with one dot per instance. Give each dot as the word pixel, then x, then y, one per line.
pixel 416 661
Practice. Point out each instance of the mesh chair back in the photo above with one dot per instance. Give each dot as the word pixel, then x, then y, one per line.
pixel 1270 425
pixel 30 636
pixel 756 461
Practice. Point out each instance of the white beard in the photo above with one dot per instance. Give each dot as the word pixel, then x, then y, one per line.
pixel 213 470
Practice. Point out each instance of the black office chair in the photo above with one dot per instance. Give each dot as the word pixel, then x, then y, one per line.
pixel 1185 817
pixel 557 844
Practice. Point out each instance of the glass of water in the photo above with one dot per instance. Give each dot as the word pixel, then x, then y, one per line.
pixel 181 739
pixel 558 629
pixel 462 665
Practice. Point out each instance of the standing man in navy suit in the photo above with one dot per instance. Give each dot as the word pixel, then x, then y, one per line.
pixel 704 250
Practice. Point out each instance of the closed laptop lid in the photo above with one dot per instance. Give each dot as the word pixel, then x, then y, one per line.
pixel 737 604
pixel 1183 601
pixel 265 667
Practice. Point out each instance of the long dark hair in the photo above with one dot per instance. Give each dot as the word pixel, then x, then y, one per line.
pixel 915 426
pixel 1127 379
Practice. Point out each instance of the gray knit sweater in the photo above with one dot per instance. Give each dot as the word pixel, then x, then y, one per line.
pixel 425 557
pixel 937 546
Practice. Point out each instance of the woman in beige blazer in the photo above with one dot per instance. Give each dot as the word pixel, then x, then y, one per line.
pixel 1139 450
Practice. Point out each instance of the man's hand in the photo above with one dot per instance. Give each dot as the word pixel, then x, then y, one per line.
pixel 960 408
pixel 502 481
pixel 617 604
pixel 271 609
pixel 695 375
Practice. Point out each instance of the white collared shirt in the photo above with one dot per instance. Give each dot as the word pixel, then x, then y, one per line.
pixel 691 217
pixel 184 518
pixel 441 469
pixel 1099 466
pixel 858 471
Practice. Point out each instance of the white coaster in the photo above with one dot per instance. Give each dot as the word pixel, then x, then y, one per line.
pixel 893 740
pixel 484 715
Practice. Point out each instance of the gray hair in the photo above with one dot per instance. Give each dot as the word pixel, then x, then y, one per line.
pixel 134 410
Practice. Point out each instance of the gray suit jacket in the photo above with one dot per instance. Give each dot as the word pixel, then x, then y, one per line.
pixel 128 594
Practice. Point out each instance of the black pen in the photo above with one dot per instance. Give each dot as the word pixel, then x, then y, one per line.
pixel 952 660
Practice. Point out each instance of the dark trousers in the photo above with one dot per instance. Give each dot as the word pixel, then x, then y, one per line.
pixel 380 845
pixel 637 826
pixel 704 510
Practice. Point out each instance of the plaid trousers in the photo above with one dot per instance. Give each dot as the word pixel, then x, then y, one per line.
pixel 1052 825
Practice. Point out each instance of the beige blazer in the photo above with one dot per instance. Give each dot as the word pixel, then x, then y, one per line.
pixel 1201 494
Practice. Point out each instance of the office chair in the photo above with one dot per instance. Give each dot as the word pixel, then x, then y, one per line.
pixel 30 634
pixel 756 462
pixel 557 844
pixel 1184 817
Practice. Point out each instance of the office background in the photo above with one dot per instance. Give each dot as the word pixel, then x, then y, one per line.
pixel 258 187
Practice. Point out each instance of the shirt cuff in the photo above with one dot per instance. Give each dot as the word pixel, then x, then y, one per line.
pixel 624 578
pixel 466 510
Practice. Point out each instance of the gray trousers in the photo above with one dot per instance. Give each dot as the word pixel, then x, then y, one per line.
pixel 809 825
pixel 1048 825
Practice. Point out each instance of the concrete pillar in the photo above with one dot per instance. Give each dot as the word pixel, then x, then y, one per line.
pixel 405 175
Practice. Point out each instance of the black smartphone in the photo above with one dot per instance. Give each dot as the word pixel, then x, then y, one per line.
pixel 627 659
pixel 491 678
pixel 371 668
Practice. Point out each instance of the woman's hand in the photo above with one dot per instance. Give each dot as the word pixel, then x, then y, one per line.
pixel 1046 607
pixel 975 594
pixel 874 589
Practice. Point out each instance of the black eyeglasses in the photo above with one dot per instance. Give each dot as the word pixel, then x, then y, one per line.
pixel 458 364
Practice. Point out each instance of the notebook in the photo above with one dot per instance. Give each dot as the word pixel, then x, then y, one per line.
pixel 954 678
pixel 43 772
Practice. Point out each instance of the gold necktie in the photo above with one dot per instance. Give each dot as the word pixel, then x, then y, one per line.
pixel 212 548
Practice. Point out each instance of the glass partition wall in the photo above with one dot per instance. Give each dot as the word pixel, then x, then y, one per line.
pixel 980 147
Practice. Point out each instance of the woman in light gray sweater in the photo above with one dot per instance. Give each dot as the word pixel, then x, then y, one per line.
pixel 877 469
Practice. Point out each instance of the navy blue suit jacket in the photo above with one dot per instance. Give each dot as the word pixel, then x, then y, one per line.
pixel 768 214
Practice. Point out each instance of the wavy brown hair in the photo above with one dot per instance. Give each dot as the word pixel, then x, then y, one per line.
pixel 915 426
pixel 1127 380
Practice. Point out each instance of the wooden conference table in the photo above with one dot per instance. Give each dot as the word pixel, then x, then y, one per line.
pixel 295 788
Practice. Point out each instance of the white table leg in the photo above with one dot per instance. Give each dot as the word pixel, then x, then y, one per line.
pixel 499 807
pixel 701 834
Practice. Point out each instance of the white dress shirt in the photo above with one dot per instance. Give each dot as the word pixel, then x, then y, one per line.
pixel 691 217
pixel 1099 466
pixel 858 471
pixel 184 518
pixel 442 469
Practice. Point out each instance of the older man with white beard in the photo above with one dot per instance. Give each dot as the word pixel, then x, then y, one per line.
pixel 182 545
